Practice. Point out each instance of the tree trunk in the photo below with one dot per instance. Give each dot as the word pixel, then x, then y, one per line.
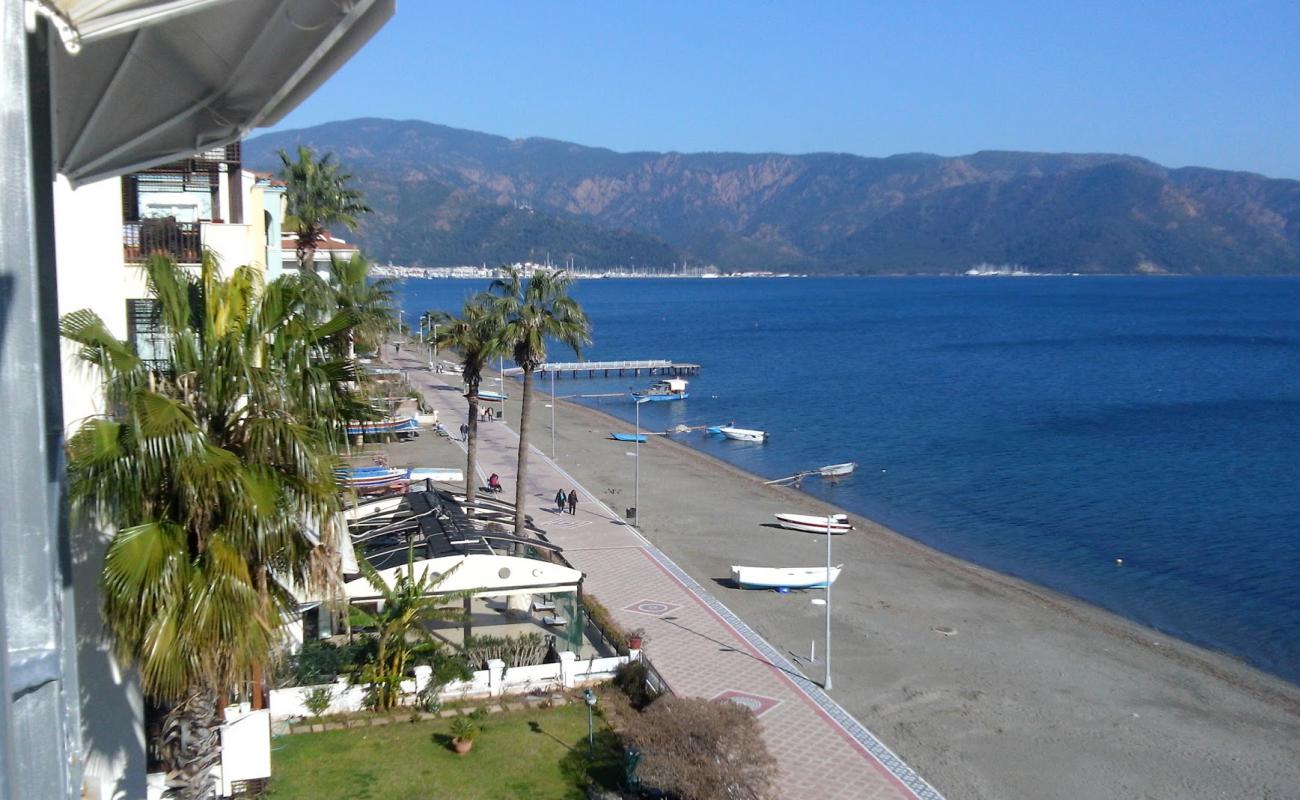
pixel 471 452
pixel 191 745
pixel 521 476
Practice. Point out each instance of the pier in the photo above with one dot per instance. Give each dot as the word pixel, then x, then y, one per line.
pixel 605 369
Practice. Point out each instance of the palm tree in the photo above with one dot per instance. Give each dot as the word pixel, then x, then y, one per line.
pixel 535 311
pixel 319 195
pixel 476 335
pixel 399 621
pixel 209 471
pixel 367 302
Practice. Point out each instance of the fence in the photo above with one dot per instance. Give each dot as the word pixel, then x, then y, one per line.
pixel 183 241
pixel 495 681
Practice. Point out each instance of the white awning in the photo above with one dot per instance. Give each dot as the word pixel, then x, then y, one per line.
pixel 141 82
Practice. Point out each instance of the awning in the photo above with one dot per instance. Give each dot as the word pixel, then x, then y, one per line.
pixel 142 82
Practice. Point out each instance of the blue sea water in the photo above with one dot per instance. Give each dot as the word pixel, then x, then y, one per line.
pixel 1044 427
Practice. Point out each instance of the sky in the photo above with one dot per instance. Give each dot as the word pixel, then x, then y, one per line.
pixel 1191 83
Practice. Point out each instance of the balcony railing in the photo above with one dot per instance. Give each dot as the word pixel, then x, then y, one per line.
pixel 182 241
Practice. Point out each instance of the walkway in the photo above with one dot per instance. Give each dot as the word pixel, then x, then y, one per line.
pixel 699 647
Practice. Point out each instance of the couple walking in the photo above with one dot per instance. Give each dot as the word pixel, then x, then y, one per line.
pixel 571 499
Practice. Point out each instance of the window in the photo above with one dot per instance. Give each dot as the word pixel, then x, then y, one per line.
pixel 145 331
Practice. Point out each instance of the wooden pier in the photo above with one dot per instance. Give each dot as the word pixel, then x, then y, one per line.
pixel 605 369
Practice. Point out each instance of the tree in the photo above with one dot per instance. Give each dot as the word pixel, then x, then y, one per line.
pixel 399 620
pixel 534 312
pixel 476 335
pixel 702 749
pixel 319 195
pixel 366 302
pixel 210 472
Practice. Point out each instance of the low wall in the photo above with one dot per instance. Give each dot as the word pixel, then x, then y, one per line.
pixel 495 681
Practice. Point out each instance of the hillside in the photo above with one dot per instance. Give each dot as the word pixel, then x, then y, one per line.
pixel 449 196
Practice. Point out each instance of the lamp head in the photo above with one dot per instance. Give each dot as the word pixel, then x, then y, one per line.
pixel 589 697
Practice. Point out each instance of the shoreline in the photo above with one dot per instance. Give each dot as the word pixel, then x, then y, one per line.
pixel 970 711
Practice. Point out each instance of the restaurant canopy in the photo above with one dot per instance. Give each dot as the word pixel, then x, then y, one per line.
pixel 140 82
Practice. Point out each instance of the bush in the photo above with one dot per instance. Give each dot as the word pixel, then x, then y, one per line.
pixel 631 680
pixel 318 699
pixel 320 662
pixel 524 650
pixel 702 750
pixel 599 616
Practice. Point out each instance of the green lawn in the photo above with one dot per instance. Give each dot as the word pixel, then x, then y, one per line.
pixel 533 754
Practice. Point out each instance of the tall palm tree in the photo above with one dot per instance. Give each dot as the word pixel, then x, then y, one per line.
pixel 209 471
pixel 535 311
pixel 476 335
pixel 319 195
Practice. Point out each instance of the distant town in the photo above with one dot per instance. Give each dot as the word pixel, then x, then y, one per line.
pixel 391 270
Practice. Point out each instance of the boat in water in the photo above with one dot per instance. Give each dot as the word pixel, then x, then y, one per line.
pixel 628 437
pixel 743 434
pixel 837 470
pixel 783 577
pixel 662 391
pixel 838 523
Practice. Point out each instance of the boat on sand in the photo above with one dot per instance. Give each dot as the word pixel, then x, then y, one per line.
pixel 783 577
pixel 838 523
pixel 628 437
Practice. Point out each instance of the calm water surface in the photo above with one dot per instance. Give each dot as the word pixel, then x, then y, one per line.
pixel 1041 427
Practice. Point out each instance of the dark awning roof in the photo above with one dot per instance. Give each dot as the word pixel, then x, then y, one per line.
pixel 153 81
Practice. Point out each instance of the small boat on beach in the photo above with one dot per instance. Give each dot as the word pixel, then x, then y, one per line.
pixel 383 426
pixel 485 396
pixel 783 577
pixel 628 437
pixel 662 391
pixel 370 477
pixel 837 470
pixel 839 523
pixel 743 434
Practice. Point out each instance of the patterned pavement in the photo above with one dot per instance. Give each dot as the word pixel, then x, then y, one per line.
pixel 699 646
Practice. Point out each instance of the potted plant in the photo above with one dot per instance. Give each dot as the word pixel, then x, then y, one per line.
pixel 636 638
pixel 464 730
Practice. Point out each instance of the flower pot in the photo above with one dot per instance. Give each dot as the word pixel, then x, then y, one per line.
pixel 634 642
pixel 462 746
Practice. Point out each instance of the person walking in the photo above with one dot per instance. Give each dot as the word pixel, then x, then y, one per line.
pixel 573 501
pixel 560 500
pixel 464 431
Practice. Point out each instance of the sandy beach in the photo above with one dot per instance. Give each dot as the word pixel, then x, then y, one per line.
pixel 988 686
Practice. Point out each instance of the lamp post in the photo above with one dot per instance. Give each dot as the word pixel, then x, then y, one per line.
pixel 636 486
pixel 552 414
pixel 591 706
pixel 433 343
pixel 830 521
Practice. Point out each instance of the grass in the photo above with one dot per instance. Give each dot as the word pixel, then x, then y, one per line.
pixel 534 753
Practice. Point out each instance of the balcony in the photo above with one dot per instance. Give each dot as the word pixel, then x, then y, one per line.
pixel 182 241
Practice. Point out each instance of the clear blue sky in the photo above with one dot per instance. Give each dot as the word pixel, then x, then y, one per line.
pixel 1211 84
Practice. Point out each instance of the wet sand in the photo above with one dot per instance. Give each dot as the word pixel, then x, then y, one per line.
pixel 1034 695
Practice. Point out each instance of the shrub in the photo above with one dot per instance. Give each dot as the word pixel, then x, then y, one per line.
pixel 318 699
pixel 465 728
pixel 599 616
pixel 702 750
pixel 524 650
pixel 631 680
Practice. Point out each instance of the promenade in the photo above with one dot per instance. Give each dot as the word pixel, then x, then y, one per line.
pixel 698 645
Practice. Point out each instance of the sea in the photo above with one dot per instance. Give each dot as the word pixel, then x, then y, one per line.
pixel 1130 441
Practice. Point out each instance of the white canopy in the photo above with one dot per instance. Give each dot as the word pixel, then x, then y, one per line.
pixel 141 82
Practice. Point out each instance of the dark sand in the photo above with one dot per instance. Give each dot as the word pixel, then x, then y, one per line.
pixel 1036 695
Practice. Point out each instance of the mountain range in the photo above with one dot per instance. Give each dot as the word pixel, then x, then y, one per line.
pixel 446 196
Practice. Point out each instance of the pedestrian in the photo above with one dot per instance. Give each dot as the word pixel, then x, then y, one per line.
pixel 560 500
pixel 464 432
pixel 573 501
pixel 397 348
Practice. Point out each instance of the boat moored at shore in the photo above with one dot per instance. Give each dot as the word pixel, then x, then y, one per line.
pixel 783 577
pixel 663 391
pixel 743 434
pixel 837 523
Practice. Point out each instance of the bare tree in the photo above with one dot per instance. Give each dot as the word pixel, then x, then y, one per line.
pixel 702 750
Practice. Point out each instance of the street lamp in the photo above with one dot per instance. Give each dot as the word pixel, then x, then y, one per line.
pixel 552 414
pixel 636 490
pixel 433 342
pixel 590 699
pixel 830 522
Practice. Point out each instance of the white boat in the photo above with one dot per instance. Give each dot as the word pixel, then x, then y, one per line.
pixel 837 470
pixel 811 524
pixel 485 396
pixel 783 577
pixel 743 434
pixel 671 389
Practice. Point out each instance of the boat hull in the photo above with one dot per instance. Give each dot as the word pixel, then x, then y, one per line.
pixel 783 577
pixel 628 437
pixel 743 434
pixel 838 470
pixel 659 398
pixel 811 524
